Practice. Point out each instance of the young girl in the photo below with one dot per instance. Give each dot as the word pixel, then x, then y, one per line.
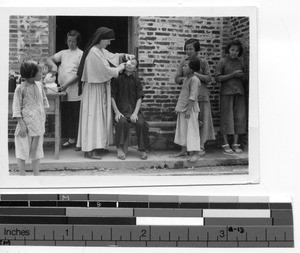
pixel 192 50
pixel 29 105
pixel 187 129
pixel 230 73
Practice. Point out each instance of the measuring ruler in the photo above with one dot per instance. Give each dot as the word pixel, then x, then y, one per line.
pixel 145 220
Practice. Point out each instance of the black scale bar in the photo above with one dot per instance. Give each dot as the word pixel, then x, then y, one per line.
pixel 149 204
pixel 44 219
pixel 67 220
pixel 153 201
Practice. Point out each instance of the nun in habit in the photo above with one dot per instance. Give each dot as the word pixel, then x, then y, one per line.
pixel 95 71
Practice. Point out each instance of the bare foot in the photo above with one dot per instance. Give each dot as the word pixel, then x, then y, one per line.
pixel 120 154
pixel 202 152
pixel 180 154
pixel 143 155
pixel 193 158
pixel 183 152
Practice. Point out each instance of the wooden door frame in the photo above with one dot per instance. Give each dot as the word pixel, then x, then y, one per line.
pixel 133 35
pixel 52 35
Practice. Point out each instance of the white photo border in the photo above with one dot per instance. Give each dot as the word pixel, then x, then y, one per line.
pixel 253 177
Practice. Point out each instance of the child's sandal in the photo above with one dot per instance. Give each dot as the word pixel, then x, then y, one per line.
pixel 227 149
pixel 236 148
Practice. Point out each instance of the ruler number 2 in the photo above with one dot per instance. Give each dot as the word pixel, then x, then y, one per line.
pixel 143 233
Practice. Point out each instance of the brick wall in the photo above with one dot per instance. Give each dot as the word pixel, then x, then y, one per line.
pixel 28 35
pixel 161 41
pixel 240 30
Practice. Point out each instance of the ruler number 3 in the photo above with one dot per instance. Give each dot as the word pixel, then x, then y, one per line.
pixel 222 233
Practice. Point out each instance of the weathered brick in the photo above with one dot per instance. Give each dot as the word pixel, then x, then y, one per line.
pixel 161 61
pixel 149 28
pixel 148 38
pixel 162 34
pixel 162 43
pixel 147 47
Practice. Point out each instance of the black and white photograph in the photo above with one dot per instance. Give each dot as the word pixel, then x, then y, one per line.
pixel 135 96
pixel 153 126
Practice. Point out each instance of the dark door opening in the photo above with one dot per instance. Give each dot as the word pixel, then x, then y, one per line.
pixel 87 25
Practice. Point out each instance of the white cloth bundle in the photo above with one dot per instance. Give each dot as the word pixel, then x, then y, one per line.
pixel 50 84
pixel 49 78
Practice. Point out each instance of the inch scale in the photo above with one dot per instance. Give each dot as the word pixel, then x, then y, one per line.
pixel 145 221
pixel 146 236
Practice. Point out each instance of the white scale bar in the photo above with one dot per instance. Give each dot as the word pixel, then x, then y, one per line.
pixel 169 221
pixel 234 213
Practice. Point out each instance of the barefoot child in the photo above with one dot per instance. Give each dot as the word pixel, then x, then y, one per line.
pixel 230 73
pixel 187 129
pixel 29 105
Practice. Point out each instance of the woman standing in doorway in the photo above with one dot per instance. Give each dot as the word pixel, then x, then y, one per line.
pixel 69 60
pixel 192 48
pixel 96 69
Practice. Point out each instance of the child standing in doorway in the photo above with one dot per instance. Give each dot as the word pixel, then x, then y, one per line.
pixel 187 129
pixel 230 73
pixel 29 105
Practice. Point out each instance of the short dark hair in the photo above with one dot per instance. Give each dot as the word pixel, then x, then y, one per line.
pixel 29 69
pixel 234 43
pixel 195 43
pixel 76 34
pixel 194 64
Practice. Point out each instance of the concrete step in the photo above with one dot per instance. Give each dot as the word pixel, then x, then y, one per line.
pixel 157 160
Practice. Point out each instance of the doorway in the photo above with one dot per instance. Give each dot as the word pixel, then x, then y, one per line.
pixel 87 25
